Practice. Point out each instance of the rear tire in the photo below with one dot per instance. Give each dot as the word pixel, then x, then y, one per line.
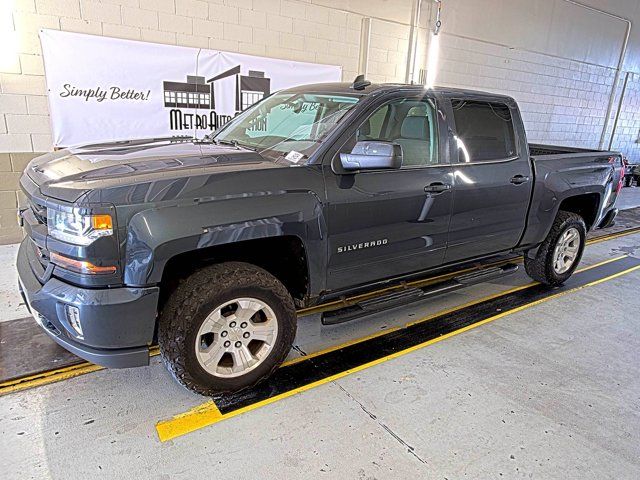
pixel 565 240
pixel 226 327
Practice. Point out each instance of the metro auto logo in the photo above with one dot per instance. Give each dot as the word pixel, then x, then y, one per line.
pixel 198 93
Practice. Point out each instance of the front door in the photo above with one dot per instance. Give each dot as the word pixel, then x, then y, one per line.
pixel 388 222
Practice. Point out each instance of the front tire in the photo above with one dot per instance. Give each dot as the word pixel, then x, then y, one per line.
pixel 558 256
pixel 226 327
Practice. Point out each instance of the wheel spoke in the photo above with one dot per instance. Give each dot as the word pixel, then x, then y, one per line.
pixel 212 355
pixel 246 309
pixel 242 358
pixel 263 332
pixel 214 323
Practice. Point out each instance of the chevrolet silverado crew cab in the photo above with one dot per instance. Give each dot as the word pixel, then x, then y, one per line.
pixel 208 246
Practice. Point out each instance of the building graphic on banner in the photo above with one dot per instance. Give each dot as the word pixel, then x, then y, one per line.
pixel 224 95
pixel 247 89
pixel 195 93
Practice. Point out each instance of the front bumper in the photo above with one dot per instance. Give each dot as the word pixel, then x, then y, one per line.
pixel 117 323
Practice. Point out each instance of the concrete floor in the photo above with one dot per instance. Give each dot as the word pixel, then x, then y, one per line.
pixel 11 305
pixel 549 392
pixel 629 197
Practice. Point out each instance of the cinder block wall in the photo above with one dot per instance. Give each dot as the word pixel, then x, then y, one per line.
pixel 11 167
pixel 303 30
pixel 563 102
pixel 627 136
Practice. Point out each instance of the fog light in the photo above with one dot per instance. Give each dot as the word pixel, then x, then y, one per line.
pixel 73 316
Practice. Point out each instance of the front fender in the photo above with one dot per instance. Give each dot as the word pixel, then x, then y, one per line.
pixel 157 234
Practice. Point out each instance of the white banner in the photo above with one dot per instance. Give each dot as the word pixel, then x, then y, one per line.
pixel 103 89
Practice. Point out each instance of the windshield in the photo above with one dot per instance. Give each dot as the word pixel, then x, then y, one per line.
pixel 287 125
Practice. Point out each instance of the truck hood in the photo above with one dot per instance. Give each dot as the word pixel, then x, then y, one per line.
pixel 67 174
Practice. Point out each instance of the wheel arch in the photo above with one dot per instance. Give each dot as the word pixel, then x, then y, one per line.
pixel 285 257
pixel 587 205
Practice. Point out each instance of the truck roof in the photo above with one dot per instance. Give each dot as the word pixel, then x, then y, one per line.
pixel 346 87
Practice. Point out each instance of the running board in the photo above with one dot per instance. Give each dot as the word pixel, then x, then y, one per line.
pixel 410 295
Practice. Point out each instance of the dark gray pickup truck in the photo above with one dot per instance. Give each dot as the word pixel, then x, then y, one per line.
pixel 318 192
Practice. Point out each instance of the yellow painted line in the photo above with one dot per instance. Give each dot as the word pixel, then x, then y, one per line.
pixel 611 236
pixel 208 413
pixel 56 375
pixel 599 264
pixel 64 373
pixel 46 378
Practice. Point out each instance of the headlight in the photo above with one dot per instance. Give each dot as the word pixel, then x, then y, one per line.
pixel 72 227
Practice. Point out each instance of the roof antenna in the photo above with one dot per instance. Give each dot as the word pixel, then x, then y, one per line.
pixel 360 83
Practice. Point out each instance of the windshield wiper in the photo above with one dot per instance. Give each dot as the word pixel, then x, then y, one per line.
pixel 233 143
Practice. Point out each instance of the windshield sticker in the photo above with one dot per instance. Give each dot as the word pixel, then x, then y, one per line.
pixel 294 156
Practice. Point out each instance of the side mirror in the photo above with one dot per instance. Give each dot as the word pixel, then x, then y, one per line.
pixel 368 155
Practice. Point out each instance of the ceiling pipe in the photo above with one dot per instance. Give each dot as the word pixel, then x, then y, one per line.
pixel 619 68
pixel 365 41
pixel 413 42
pixel 618 110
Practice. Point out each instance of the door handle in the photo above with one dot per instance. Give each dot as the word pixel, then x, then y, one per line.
pixel 519 179
pixel 437 187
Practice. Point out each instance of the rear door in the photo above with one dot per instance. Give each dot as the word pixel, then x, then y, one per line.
pixel 384 223
pixel 492 178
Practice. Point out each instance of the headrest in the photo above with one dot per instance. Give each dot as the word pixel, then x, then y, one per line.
pixel 415 128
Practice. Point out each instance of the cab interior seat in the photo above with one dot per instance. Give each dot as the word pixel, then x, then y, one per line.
pixel 414 141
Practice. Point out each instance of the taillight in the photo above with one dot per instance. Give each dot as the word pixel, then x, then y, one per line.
pixel 621 181
pixel 612 160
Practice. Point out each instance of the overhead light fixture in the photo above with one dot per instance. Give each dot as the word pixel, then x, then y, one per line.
pixel 434 50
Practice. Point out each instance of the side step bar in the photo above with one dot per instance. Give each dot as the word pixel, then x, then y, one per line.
pixel 414 294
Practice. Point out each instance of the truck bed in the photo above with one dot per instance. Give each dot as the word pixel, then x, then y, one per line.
pixel 539 150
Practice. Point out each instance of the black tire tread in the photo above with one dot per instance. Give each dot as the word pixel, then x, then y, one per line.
pixel 540 268
pixel 193 291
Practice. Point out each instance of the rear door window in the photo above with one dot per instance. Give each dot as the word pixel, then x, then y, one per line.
pixel 484 131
